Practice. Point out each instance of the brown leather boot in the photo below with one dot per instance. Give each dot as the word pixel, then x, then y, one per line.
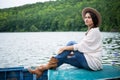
pixel 38 71
pixel 52 64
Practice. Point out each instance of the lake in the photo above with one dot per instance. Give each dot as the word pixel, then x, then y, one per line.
pixel 34 48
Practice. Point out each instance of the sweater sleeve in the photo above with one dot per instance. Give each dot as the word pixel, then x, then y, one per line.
pixel 90 43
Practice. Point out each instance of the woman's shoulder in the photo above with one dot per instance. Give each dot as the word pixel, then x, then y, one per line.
pixel 95 30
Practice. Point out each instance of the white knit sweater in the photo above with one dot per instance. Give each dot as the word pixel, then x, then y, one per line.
pixel 91 46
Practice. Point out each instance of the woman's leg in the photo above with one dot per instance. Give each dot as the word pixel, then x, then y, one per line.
pixel 78 60
pixel 40 69
pixel 63 56
pixel 71 43
pixel 53 63
pixel 73 61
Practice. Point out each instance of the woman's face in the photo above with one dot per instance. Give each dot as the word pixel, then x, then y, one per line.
pixel 88 20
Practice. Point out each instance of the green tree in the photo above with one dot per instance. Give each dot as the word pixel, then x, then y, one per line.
pixel 60 15
pixel 33 28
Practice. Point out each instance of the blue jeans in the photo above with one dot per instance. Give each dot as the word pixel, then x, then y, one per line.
pixel 78 59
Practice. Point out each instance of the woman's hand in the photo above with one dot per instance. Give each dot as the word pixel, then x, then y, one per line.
pixel 65 48
pixel 61 50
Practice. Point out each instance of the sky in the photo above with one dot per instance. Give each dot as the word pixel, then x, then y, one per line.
pixel 15 3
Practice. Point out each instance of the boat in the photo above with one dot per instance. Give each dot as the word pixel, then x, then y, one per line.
pixel 64 73
pixel 19 73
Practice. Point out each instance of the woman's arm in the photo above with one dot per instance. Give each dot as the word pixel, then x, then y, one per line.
pixel 90 43
pixel 65 48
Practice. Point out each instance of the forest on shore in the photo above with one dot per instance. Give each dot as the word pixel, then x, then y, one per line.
pixel 59 15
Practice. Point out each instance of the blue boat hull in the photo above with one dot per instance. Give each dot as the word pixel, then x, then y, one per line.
pixel 108 72
pixel 19 73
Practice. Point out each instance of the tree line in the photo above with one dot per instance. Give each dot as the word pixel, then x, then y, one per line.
pixel 59 15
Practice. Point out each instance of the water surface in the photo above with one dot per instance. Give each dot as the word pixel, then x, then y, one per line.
pixel 35 48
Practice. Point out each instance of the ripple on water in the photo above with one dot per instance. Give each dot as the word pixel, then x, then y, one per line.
pixel 33 49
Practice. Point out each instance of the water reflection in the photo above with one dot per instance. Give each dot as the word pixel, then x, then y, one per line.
pixel 111 46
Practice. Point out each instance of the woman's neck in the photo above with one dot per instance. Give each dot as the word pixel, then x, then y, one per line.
pixel 88 30
pixel 90 26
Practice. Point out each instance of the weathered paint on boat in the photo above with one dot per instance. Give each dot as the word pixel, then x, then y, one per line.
pixel 20 73
pixel 108 72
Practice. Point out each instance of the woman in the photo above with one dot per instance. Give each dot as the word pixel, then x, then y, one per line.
pixel 87 53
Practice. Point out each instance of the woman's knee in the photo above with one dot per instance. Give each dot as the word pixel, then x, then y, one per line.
pixel 71 43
